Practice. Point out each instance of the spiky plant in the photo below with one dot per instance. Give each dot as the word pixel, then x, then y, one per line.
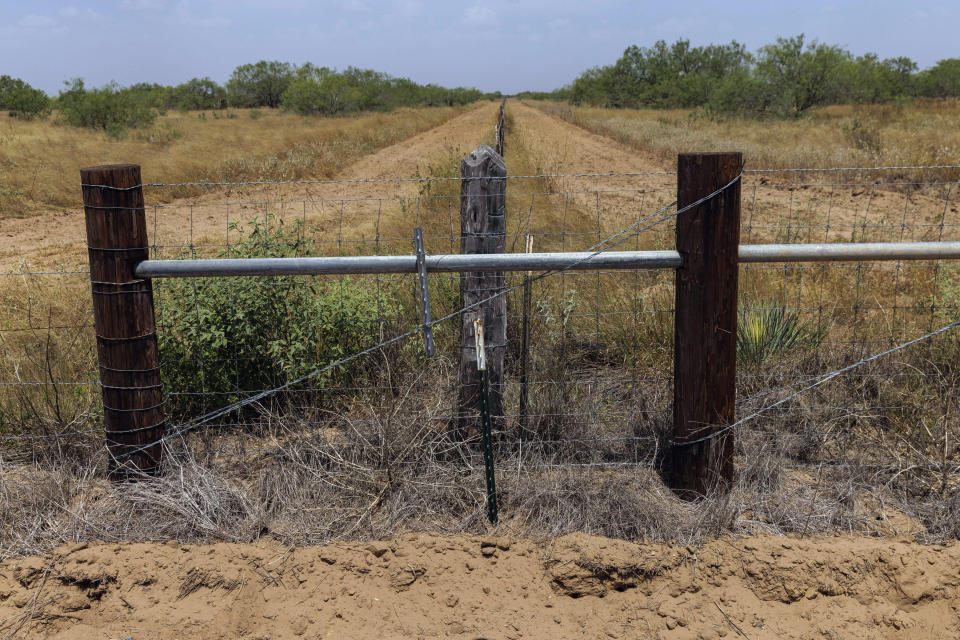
pixel 769 330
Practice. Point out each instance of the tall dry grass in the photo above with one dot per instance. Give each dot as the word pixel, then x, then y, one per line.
pixel 40 159
pixel 47 360
pixel 385 469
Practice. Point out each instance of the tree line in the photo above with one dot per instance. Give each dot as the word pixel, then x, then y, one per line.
pixel 306 89
pixel 785 78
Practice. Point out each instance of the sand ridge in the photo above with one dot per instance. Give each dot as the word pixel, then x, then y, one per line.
pixel 497 587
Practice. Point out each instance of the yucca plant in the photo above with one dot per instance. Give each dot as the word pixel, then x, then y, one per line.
pixel 769 330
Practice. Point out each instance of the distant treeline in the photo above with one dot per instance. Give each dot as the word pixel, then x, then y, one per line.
pixel 785 78
pixel 305 89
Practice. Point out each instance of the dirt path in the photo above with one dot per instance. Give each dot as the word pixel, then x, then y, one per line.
pixel 467 587
pixel 776 207
pixel 566 148
pixel 44 242
pixel 604 203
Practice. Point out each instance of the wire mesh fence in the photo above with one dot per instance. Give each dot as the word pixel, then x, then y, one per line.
pixel 599 374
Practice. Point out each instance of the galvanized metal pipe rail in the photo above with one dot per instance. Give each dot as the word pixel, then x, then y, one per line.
pixel 580 261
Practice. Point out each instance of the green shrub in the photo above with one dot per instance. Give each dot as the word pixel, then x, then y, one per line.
pixel 21 100
pixel 786 78
pixel 196 94
pixel 771 330
pixel 328 96
pixel 741 94
pixel 320 90
pixel 231 335
pixel 111 108
pixel 941 80
pixel 259 85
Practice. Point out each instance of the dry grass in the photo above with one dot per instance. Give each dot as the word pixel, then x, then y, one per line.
pixel 46 339
pixel 925 132
pixel 385 467
pixel 40 159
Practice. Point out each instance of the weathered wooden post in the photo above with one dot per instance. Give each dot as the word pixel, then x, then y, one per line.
pixel 123 317
pixel 705 329
pixel 483 192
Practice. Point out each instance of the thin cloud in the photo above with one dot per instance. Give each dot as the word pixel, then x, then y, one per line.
pixel 36 21
pixel 479 15
pixel 144 5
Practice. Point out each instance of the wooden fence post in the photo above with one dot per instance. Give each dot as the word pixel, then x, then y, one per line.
pixel 483 192
pixel 123 317
pixel 705 328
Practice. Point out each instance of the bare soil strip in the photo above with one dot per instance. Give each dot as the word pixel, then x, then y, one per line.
pixel 48 241
pixel 468 587
pixel 774 210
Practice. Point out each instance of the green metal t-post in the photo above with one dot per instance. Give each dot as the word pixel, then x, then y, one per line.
pixel 485 424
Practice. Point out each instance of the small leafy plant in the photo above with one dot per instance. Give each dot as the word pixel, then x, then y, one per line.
pixel 235 335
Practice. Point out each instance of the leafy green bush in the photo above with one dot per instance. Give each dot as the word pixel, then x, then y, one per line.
pixel 111 109
pixel 786 78
pixel 941 80
pixel 232 335
pixel 801 75
pixel 741 94
pixel 663 75
pixel 328 96
pixel 260 84
pixel 149 94
pixel 324 91
pixel 771 330
pixel 196 94
pixel 21 100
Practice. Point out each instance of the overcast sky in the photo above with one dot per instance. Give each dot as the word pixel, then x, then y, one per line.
pixel 493 44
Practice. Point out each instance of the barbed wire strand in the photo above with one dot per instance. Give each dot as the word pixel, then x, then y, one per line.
pixel 819 380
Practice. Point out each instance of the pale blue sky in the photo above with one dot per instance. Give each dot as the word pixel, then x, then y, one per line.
pixel 491 44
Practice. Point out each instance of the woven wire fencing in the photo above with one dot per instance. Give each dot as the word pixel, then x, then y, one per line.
pixel 599 363
pixel 585 327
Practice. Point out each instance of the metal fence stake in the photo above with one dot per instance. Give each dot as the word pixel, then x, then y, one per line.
pixel 428 343
pixel 485 423
pixel 525 347
pixel 501 127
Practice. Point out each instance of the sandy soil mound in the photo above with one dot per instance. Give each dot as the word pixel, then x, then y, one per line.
pixel 423 586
